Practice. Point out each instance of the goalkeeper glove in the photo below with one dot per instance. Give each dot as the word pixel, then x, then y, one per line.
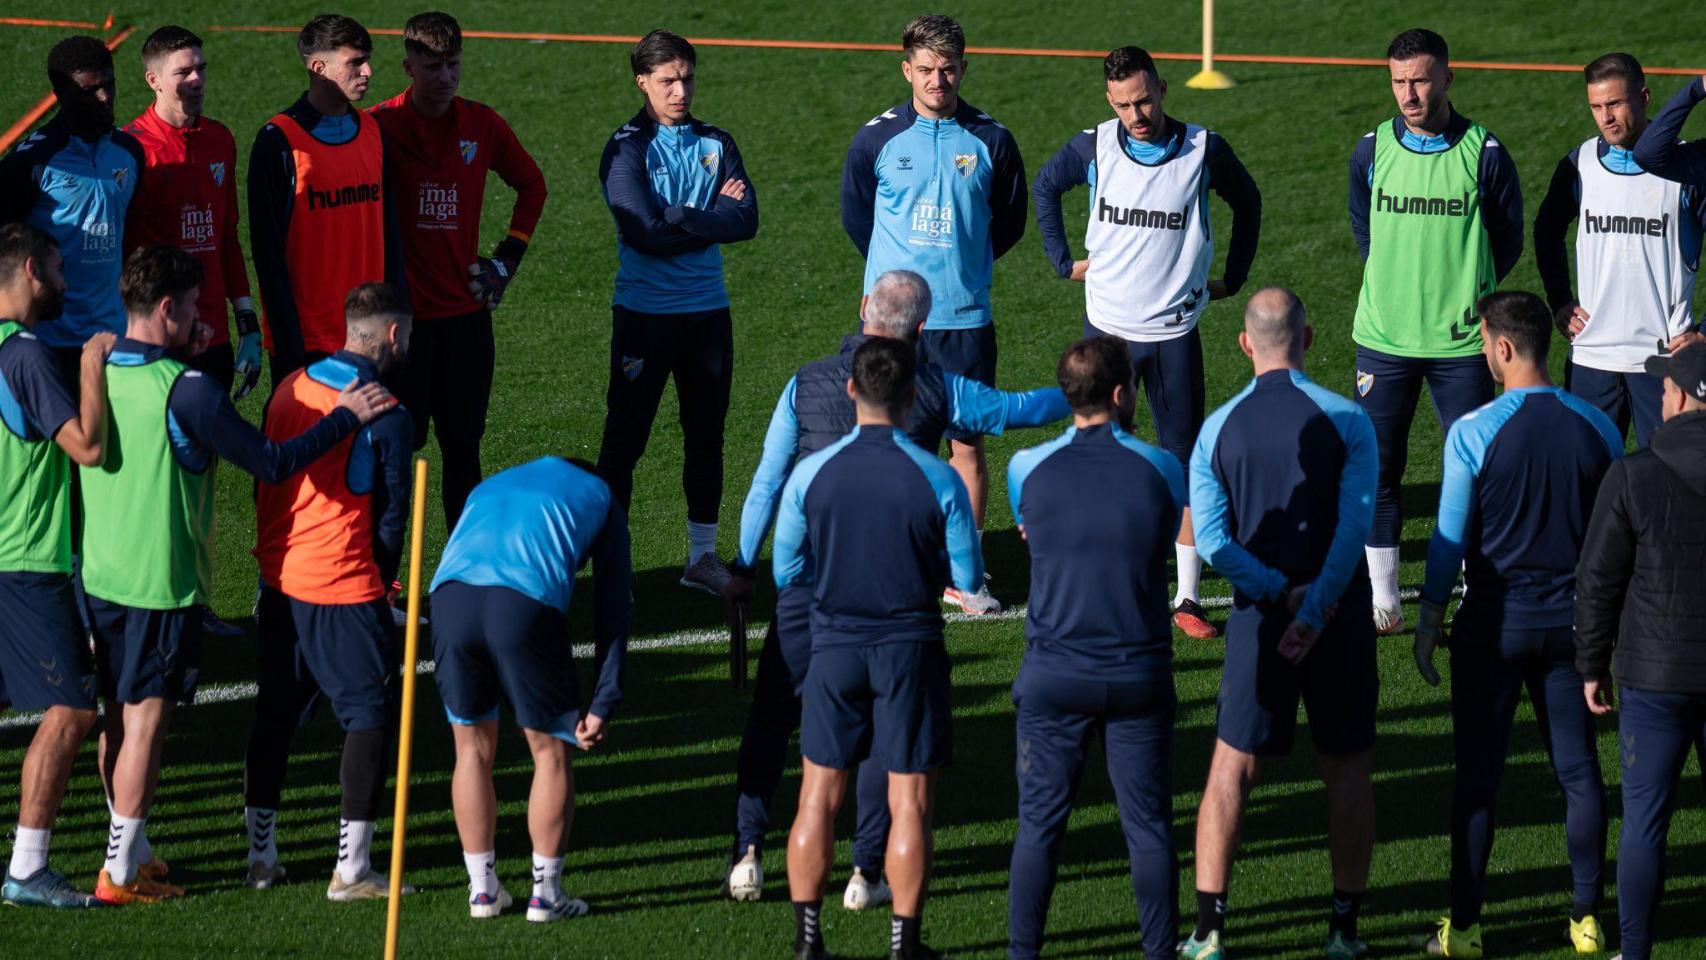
pixel 1430 632
pixel 248 367
pixel 489 276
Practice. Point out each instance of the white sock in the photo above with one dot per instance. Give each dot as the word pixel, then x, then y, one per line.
pixel 1383 575
pixel 482 876
pixel 355 848
pixel 1190 571
pixel 121 848
pixel 263 839
pixel 144 851
pixel 547 878
pixel 701 539
pixel 29 852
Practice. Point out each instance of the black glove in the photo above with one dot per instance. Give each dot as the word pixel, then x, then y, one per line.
pixel 248 360
pixel 489 277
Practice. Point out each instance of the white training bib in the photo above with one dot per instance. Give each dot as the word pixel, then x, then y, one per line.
pixel 1150 241
pixel 1634 283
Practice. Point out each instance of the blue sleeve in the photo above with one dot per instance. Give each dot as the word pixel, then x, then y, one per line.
pixel 34 382
pixel 1357 481
pixel 628 192
pixel 1167 465
pixel 791 557
pixel 728 220
pixel 1501 206
pixel 975 407
pixel 965 549
pixel 1018 469
pixel 1068 168
pixel 1234 185
pixel 1661 151
pixel 202 409
pixel 1212 522
pixel 781 445
pixel 392 440
pixel 612 573
pixel 1361 191
pixel 1558 210
pixel 1007 206
pixel 859 189
pixel 1465 451
pixel 1608 432
pixel 18 187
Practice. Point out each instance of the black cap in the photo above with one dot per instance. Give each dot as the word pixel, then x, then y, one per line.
pixel 1686 368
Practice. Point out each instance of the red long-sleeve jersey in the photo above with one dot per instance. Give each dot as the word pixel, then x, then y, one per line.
pixel 189 200
pixel 438 171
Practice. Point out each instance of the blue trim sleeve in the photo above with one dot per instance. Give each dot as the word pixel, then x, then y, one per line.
pixel 1212 522
pixel 1166 464
pixel 1361 191
pixel 976 407
pixel 965 550
pixel 791 560
pixel 1465 451
pixel 1019 468
pixel 1607 430
pixel 1357 481
pixel 1660 150
pixel 781 444
pixel 1069 167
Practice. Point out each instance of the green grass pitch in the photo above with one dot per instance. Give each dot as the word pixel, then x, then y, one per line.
pixel 653 826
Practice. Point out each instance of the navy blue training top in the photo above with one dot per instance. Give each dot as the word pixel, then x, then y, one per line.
pixel 877 526
pixel 1099 606
pixel 1520 478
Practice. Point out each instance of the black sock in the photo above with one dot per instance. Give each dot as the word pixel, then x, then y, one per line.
pixel 807 933
pixel 1343 916
pixel 903 935
pixel 1211 913
pixel 1580 910
pixel 362 774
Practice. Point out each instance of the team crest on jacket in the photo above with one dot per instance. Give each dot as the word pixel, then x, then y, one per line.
pixel 119 173
pixel 965 163
pixel 709 161
pixel 631 367
pixel 1365 383
pixel 469 148
pixel 218 171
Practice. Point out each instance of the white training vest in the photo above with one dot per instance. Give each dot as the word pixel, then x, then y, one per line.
pixel 1150 240
pixel 1633 281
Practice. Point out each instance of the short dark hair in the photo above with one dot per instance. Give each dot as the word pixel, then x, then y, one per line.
pixel 432 34
pixel 154 273
pixel 75 55
pixel 1520 317
pixel 1419 42
pixel 332 31
pixel 1614 65
pixel 935 32
pixel 20 242
pixel 658 48
pixel 375 300
pixel 1122 63
pixel 883 368
pixel 168 40
pixel 1089 371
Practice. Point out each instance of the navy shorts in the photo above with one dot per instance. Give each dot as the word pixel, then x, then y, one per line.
pixel 141 654
pixel 1624 397
pixel 1338 682
pixel 886 701
pixel 969 353
pixel 492 644
pixel 44 650
pixel 1171 374
pixel 344 653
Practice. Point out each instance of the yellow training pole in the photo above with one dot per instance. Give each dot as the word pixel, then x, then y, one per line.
pixel 1209 78
pixel 406 735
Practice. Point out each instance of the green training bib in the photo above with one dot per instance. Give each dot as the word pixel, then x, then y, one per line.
pixel 35 491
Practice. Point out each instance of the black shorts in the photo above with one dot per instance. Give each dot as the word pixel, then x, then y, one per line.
pixel 969 352
pixel 141 654
pixel 886 701
pixel 1338 682
pixel 44 650
pixel 492 644
pixel 344 653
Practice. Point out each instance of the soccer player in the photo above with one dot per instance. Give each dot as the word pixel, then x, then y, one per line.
pixel 148 532
pixel 677 189
pixel 934 185
pixel 74 179
pixel 875 525
pixel 328 541
pixel 1638 616
pixel 1436 211
pixel 1148 248
pixel 1637 251
pixel 1098 652
pixel 1520 478
pixel 320 220
pixel 500 603
pixel 191 200
pixel 814 411
pixel 43 647
pixel 439 148
pixel 1282 482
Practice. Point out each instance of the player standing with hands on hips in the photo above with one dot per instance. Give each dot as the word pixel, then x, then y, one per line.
pixel 1148 249
pixel 678 191
pixel 936 186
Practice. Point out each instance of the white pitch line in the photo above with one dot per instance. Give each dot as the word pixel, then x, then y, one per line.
pixel 237 692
